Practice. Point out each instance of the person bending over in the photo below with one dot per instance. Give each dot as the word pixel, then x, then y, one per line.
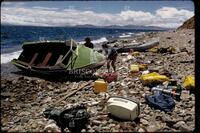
pixel 111 56
pixel 88 43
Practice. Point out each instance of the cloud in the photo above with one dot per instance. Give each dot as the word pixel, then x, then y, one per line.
pixel 44 8
pixel 43 16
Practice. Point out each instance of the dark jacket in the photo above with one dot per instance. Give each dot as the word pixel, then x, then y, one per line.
pixel 89 45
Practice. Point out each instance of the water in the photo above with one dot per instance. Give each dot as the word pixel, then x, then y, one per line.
pixel 12 37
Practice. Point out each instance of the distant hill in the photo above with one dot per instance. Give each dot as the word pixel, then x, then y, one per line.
pixel 189 24
pixel 123 27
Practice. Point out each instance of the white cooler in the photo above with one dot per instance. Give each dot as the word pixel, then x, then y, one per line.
pixel 123 108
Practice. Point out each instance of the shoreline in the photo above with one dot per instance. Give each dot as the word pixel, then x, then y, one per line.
pixel 25 98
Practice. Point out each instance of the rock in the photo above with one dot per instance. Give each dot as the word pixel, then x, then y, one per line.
pixel 18 128
pixel 144 122
pixel 111 125
pixel 104 123
pixel 141 130
pixel 51 128
pixel 105 128
pixel 152 128
pixel 169 121
pixel 91 130
pixel 146 111
pixel 142 115
pixel 16 119
pixel 185 128
pixel 178 124
pixel 188 118
pixel 4 129
pixel 24 113
pixel 24 120
pixel 96 122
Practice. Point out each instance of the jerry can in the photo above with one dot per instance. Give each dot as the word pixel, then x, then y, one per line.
pixel 100 86
pixel 134 68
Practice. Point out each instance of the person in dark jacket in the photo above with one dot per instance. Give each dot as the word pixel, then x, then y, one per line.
pixel 111 56
pixel 88 43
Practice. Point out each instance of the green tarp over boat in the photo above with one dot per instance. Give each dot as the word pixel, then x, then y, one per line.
pixel 58 58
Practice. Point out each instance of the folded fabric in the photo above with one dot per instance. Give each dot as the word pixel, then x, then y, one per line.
pixel 161 101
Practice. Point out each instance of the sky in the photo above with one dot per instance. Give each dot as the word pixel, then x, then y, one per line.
pixel 168 14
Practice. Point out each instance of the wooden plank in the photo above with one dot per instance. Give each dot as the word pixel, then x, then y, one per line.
pixel 73 92
pixel 59 59
pixel 48 56
pixel 33 59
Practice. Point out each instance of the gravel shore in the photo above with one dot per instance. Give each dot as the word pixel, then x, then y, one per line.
pixel 23 99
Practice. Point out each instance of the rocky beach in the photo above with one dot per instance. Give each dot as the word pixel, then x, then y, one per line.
pixel 23 98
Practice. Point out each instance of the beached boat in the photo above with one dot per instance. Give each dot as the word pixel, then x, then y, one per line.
pixel 138 47
pixel 58 58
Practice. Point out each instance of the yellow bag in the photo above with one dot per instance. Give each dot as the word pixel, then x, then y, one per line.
pixel 152 78
pixel 189 82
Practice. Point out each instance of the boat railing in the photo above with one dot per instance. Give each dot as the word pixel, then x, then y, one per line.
pixel 71 58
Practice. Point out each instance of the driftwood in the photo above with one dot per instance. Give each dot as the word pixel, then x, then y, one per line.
pixel 73 92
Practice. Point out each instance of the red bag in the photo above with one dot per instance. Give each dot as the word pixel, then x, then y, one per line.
pixel 109 77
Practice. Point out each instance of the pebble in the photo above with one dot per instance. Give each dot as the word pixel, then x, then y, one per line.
pixel 141 130
pixel 96 122
pixel 144 122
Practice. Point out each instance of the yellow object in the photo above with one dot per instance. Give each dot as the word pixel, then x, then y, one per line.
pixel 142 67
pixel 134 68
pixel 153 50
pixel 100 86
pixel 136 53
pixel 153 77
pixel 189 82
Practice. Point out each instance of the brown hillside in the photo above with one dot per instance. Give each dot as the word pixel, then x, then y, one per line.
pixel 189 24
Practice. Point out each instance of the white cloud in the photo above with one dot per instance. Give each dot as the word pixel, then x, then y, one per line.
pixel 43 16
pixel 45 8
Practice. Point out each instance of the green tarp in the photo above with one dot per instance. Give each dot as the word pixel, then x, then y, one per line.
pixel 84 56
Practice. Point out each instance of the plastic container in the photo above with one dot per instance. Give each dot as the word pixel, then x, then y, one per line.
pixel 100 86
pixel 134 68
pixel 123 108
